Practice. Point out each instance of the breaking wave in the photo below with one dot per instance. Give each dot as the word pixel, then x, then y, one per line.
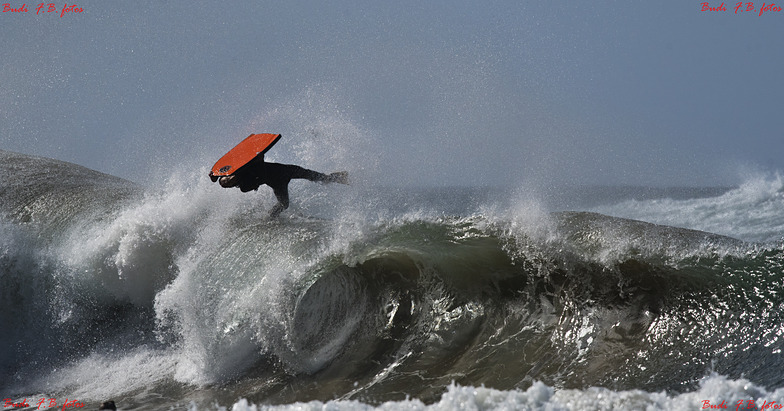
pixel 189 296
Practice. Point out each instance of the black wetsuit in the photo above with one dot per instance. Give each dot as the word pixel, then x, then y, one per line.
pixel 277 176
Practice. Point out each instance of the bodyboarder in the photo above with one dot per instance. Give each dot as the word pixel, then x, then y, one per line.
pixel 257 172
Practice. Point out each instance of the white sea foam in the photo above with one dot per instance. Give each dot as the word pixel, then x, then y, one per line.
pixel 103 375
pixel 713 390
pixel 754 211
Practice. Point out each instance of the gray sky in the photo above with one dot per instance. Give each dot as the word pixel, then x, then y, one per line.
pixel 404 92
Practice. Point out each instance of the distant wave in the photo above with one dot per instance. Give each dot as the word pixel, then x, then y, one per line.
pixel 754 211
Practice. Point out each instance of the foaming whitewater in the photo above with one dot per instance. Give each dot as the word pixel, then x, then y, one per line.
pixel 754 211
pixel 713 391
pixel 187 296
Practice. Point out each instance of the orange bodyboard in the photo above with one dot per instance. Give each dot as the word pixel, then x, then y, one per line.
pixel 254 145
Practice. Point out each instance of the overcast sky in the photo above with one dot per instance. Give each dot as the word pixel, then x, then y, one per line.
pixel 402 92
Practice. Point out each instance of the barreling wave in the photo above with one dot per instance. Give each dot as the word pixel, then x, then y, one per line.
pixel 185 296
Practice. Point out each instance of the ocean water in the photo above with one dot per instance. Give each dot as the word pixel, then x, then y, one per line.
pixel 184 296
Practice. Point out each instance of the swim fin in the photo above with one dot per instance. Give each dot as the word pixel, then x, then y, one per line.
pixel 338 177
